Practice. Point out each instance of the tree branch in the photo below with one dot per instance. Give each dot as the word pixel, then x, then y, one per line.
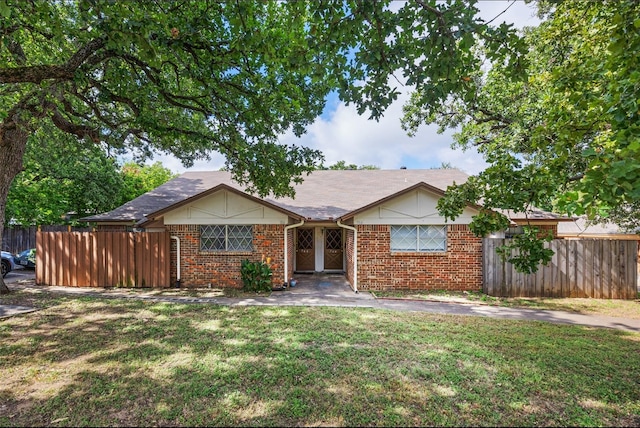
pixel 81 131
pixel 38 73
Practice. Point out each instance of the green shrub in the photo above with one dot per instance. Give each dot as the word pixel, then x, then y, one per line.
pixel 256 276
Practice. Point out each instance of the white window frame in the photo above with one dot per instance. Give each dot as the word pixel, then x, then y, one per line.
pixel 230 233
pixel 411 244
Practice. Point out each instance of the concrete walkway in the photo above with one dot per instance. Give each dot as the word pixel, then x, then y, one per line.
pixel 334 291
pixel 7 311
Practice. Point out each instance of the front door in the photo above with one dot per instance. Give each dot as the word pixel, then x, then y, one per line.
pixel 333 249
pixel 305 251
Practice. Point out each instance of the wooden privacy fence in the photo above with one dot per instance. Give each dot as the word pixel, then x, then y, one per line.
pixel 597 268
pixel 19 238
pixel 103 259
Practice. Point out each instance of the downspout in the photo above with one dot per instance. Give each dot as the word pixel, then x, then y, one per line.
pixel 355 253
pixel 286 249
pixel 178 260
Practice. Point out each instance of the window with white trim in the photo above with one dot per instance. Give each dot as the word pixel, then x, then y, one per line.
pixel 226 237
pixel 412 238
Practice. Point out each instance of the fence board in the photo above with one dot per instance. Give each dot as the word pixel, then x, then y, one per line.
pixel 607 284
pixel 561 277
pixel 102 259
pixel 631 270
pixel 596 268
pixel 613 272
pixel 488 253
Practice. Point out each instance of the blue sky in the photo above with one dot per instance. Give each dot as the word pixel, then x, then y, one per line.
pixel 341 134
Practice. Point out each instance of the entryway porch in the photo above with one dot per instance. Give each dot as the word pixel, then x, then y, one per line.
pixel 324 285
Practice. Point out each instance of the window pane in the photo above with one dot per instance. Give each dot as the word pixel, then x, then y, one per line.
pixel 240 238
pixel 404 238
pixel 432 238
pixel 513 231
pixel 212 237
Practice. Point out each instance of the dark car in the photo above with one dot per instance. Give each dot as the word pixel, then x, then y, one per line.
pixel 7 263
pixel 26 259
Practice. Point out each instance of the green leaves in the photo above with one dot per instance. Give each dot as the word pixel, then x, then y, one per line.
pixel 139 179
pixel 487 222
pixel 5 9
pixel 527 250
pixel 256 276
pixel 63 180
pixel 556 116
pixel 185 78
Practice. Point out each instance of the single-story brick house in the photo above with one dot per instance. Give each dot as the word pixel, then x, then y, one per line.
pixel 380 228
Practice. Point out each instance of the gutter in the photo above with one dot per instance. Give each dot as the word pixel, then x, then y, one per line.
pixel 286 249
pixel 178 260
pixel 355 253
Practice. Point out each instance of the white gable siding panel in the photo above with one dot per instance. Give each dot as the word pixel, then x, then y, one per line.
pixel 225 207
pixel 416 207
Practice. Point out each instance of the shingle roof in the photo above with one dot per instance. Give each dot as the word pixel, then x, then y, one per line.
pixel 323 195
pixel 332 194
pixel 535 214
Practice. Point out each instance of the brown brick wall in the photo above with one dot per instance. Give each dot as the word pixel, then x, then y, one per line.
pixel 544 228
pixel 459 268
pixel 112 228
pixel 222 269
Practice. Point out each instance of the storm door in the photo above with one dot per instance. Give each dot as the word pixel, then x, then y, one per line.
pixel 333 253
pixel 305 250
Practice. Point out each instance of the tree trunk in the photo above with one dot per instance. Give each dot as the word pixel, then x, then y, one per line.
pixel 13 143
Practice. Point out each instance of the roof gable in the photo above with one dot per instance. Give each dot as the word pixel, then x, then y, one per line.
pixel 223 205
pixel 415 205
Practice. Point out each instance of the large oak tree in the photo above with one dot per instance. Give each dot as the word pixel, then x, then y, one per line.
pixel 565 135
pixel 193 76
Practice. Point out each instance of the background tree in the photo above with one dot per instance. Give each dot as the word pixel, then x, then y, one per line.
pixel 64 180
pixel 139 179
pixel 62 176
pixel 342 165
pixel 191 77
pixel 566 136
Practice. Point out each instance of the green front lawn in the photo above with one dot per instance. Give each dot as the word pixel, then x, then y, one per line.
pixel 103 362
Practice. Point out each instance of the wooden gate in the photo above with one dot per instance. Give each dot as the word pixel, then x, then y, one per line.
pixel 103 259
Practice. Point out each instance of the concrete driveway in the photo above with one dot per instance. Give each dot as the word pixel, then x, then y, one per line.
pixel 20 274
pixel 14 277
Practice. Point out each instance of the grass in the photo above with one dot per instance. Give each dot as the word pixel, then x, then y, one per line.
pixel 606 307
pixel 96 362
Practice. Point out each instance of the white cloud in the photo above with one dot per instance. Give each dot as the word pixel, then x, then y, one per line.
pixel 342 134
pixel 175 165
pixel 345 135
